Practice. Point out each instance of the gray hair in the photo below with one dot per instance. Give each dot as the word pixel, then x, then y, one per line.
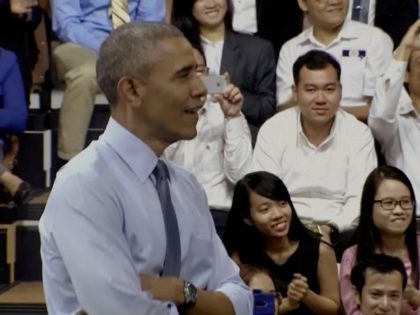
pixel 130 50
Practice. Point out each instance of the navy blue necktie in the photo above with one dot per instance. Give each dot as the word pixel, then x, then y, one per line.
pixel 172 263
pixel 360 11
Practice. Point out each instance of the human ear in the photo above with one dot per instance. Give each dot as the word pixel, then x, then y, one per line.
pixel 356 297
pixel 303 5
pixel 247 221
pixel 294 93
pixel 129 91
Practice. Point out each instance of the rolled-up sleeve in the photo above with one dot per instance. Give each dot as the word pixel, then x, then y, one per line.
pixel 226 279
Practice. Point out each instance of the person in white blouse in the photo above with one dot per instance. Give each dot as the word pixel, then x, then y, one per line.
pixel 322 153
pixel 395 112
pixel 221 153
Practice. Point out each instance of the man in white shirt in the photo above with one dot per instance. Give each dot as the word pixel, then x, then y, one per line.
pixel 221 153
pixel 363 51
pixel 395 112
pixel 322 153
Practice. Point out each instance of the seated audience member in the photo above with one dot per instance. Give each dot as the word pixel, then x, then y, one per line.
pixel 125 231
pixel 395 113
pixel 363 52
pixel 19 19
pixel 82 25
pixel 322 153
pixel 263 230
pixel 261 281
pixel 393 16
pixel 248 60
pixel 221 153
pixel 13 118
pixel 387 225
pixel 379 282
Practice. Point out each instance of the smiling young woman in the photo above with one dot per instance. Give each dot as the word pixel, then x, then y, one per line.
pixel 249 60
pixel 264 230
pixel 387 225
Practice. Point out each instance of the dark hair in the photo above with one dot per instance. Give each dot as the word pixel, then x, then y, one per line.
pixel 119 54
pixel 381 263
pixel 246 272
pixel 315 60
pixel 182 17
pixel 246 240
pixel 368 235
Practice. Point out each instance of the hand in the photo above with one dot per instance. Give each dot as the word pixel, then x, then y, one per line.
pixel 231 100
pixel 164 288
pixel 410 41
pixel 411 294
pixel 22 6
pixel 411 38
pixel 297 289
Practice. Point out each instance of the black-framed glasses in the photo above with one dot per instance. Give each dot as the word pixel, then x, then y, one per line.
pixel 390 204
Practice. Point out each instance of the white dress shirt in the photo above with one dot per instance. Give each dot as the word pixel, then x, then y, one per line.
pixel 218 156
pixel 213 52
pixel 103 227
pixel 244 16
pixel 325 182
pixel 364 52
pixel 396 124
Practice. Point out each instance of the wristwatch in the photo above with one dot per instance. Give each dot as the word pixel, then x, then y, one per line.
pixel 190 294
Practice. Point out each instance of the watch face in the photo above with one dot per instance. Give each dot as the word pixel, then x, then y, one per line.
pixel 190 292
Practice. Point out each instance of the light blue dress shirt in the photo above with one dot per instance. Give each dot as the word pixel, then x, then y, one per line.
pixel 103 227
pixel 87 22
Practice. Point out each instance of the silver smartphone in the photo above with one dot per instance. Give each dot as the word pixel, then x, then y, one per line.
pixel 214 83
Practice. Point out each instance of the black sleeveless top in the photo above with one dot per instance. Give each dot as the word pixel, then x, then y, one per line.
pixel 304 261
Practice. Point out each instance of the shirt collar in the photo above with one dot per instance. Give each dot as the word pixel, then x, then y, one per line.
pixel 208 42
pixel 133 151
pixel 302 135
pixel 347 32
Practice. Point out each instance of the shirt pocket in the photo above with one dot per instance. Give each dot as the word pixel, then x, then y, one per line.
pixel 353 64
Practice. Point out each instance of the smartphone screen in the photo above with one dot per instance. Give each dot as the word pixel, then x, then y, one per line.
pixel 264 303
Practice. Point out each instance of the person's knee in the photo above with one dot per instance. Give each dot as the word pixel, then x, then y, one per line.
pixel 83 76
pixel 74 64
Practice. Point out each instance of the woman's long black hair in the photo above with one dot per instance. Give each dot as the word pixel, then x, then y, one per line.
pixel 368 235
pixel 245 240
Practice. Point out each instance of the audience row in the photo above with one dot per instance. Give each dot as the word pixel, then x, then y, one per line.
pixel 335 197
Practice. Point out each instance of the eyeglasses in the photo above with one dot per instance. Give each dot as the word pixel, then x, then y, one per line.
pixel 202 70
pixel 390 204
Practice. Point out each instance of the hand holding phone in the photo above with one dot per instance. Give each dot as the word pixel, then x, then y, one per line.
pixel 214 83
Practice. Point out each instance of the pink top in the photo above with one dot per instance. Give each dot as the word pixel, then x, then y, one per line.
pixel 347 300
